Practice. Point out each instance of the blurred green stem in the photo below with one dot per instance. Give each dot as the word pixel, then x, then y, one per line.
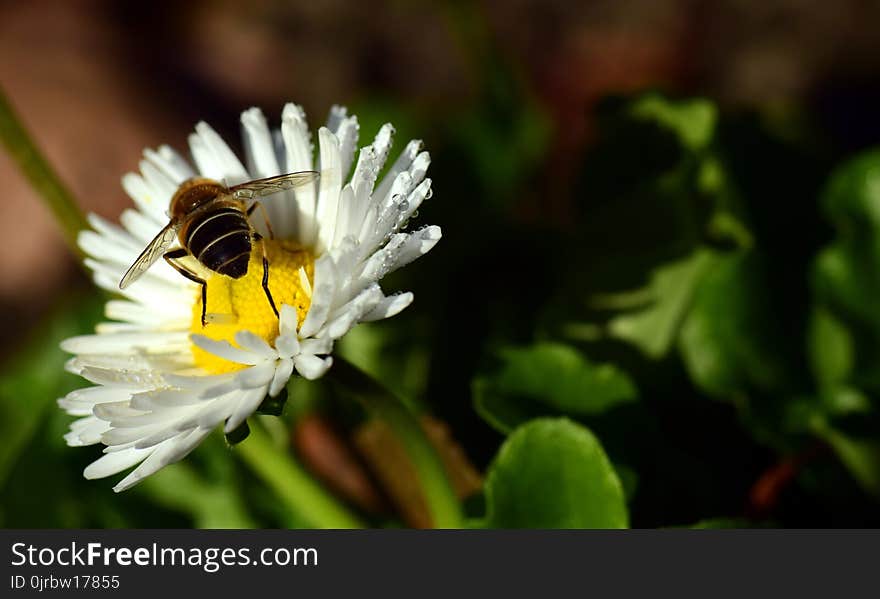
pixel 293 485
pixel 36 169
pixel 381 403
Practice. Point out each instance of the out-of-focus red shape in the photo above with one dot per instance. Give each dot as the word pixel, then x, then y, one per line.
pixel 765 493
pixel 389 462
pixel 326 453
pixel 58 67
pixel 356 467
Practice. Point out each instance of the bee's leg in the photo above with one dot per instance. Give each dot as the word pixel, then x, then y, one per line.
pixel 170 258
pixel 253 207
pixel 258 237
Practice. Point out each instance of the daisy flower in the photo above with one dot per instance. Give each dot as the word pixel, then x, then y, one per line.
pixel 161 380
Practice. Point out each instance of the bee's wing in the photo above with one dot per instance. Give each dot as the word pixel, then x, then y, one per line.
pixel 150 254
pixel 270 185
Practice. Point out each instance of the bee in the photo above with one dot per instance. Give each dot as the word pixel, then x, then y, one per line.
pixel 212 223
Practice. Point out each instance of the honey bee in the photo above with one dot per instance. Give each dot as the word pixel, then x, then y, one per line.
pixel 211 221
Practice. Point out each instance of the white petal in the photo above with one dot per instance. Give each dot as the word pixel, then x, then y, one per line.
pixel 343 215
pixel 287 345
pixel 320 346
pixel 169 451
pixel 330 187
pixel 322 296
pixel 129 379
pixel 151 440
pixel 282 375
pixel 114 463
pixel 170 168
pixel 142 229
pixel 288 320
pixel 145 198
pixel 337 114
pixel 382 143
pixel 255 344
pixel 298 152
pixel 388 307
pixel 131 435
pixel 86 431
pixel 419 167
pixel 215 412
pixel 180 167
pixel 161 316
pixel 124 343
pixel 224 349
pixel 249 401
pixel 257 376
pixel 402 164
pixel 351 313
pixel 161 184
pixel 224 388
pixel 113 234
pixel 198 381
pixel 416 245
pixel 262 161
pixel 312 367
pixel 346 130
pixel 259 151
pixel 230 168
pixel 156 399
pixel 81 401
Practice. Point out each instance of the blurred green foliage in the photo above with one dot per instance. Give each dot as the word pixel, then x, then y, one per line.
pixel 552 473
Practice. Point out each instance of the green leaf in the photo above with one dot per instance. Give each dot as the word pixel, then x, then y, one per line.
pixel 211 505
pixel 629 480
pixel 852 197
pixel 35 379
pixel 847 272
pixel 727 339
pixel 832 355
pixel 693 121
pixel 653 328
pixel 861 456
pixel 549 378
pixel 715 523
pixel 553 473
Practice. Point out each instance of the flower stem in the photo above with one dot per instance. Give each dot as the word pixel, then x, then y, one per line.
pixel 25 154
pixel 294 486
pixel 439 496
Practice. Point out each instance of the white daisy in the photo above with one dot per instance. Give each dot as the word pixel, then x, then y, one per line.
pixel 162 382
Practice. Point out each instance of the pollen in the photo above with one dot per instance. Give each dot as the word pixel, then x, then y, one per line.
pixel 236 304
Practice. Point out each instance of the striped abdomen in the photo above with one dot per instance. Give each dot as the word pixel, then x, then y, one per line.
pixel 221 241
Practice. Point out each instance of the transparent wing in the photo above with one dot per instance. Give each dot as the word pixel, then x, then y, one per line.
pixel 270 185
pixel 150 254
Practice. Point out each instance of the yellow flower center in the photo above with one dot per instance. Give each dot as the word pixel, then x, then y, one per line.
pixel 236 304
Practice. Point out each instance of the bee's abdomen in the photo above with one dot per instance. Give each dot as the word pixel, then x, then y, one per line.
pixel 221 240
